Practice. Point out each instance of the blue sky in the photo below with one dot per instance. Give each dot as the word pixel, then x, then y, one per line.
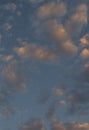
pixel 44 65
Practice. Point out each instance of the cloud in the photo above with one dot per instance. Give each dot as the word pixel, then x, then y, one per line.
pixel 52 9
pixel 55 30
pixel 86 71
pixel 62 103
pixel 78 97
pixel 36 1
pixel 10 7
pixel 69 126
pixel 59 92
pixel 77 126
pixel 85 53
pixel 82 8
pixel 70 48
pixel 34 124
pixel 77 20
pixel 13 77
pixel 6 106
pixel 7 26
pixel 6 58
pixel 85 39
pixel 13 80
pixel 32 51
pixel 9 73
pixel 58 126
pixel 57 33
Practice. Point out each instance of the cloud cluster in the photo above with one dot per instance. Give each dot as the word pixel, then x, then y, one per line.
pixel 36 124
pixel 58 35
pixel 32 51
pixel 57 125
pixel 13 81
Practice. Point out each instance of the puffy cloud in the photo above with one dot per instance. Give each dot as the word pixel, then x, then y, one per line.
pixel 35 52
pixel 56 31
pixel 82 8
pixel 54 9
pixel 69 47
pixel 85 40
pixel 25 51
pixel 77 21
pixel 58 34
pixel 85 53
pixel 43 54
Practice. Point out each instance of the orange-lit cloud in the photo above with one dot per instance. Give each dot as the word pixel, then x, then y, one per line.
pixel 85 53
pixel 35 52
pixel 6 57
pixel 13 77
pixel 58 34
pixel 70 126
pixel 59 92
pixel 9 73
pixel 85 40
pixel 52 9
pixel 77 20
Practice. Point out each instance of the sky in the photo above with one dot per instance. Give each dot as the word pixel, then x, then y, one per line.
pixel 44 65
